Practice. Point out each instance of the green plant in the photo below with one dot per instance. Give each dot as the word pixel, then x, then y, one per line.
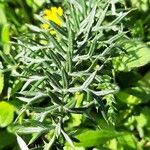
pixel 64 86
pixel 56 70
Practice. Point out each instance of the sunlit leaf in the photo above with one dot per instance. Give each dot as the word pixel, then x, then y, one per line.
pixel 6 113
pixel 22 144
pixel 128 98
pixel 1 82
pixel 137 55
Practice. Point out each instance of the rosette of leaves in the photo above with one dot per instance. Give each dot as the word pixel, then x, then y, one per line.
pixel 69 73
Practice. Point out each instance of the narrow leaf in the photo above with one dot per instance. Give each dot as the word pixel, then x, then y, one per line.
pixel 1 82
pixel 102 106
pixel 55 58
pixel 65 78
pixel 67 139
pixel 89 80
pixel 22 144
pixel 34 28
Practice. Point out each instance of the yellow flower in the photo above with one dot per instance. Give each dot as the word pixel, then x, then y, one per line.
pixel 44 26
pixel 52 14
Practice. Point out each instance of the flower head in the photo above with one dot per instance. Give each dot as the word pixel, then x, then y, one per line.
pixel 52 14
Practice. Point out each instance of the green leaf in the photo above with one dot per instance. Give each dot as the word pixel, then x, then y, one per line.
pixel 71 103
pixel 86 25
pixel 55 98
pixel 1 82
pixel 120 17
pixel 84 7
pixel 3 19
pixel 43 109
pixel 30 80
pixel 53 81
pixel 35 136
pixel 104 92
pixel 127 141
pixel 34 28
pixel 128 98
pixel 55 58
pixel 31 126
pixel 74 16
pixel 7 59
pixel 92 47
pixel 75 89
pixel 76 120
pixel 67 139
pixel 137 55
pixel 67 147
pixel 5 38
pixel 69 62
pixel 145 82
pixel 92 138
pixel 102 106
pixel 143 119
pixel 22 144
pixel 64 78
pixel 55 43
pixel 16 86
pixel 29 130
pixel 141 91
pixel 5 33
pixel 37 97
pixel 6 114
pixel 101 18
pixel 141 6
pixel 89 80
pixel 49 145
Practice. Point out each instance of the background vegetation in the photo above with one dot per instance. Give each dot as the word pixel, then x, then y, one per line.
pixel 117 118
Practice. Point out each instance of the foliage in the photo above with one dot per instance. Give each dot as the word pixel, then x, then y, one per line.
pixel 7 114
pixel 67 87
pixel 70 62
